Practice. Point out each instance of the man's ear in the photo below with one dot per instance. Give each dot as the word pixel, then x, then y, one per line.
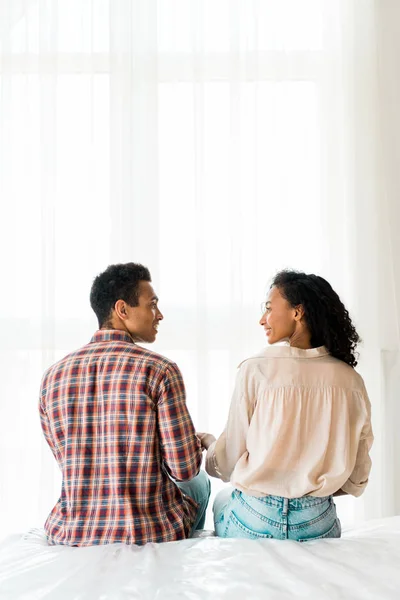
pixel 120 309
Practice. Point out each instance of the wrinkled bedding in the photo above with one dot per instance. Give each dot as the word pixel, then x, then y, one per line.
pixel 363 564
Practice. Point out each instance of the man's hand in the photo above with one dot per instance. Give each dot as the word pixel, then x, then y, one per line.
pixel 206 439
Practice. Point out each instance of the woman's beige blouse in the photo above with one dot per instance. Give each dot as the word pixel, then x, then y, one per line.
pixel 299 423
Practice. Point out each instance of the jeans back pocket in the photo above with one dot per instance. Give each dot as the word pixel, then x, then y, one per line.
pixel 333 532
pixel 236 529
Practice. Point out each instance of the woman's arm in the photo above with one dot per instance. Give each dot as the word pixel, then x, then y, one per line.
pixel 358 480
pixel 340 493
pixel 224 453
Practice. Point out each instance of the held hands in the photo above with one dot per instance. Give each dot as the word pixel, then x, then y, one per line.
pixel 206 439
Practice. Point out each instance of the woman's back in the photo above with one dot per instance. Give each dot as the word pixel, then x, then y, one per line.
pixel 302 414
pixel 299 426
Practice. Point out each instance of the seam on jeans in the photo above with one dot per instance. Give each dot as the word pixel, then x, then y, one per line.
pixel 270 501
pixel 245 529
pixel 306 524
pixel 317 502
pixel 220 519
pixel 335 527
pixel 276 524
pixel 251 510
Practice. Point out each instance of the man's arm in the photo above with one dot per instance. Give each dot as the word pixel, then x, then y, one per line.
pixel 45 423
pixel 180 447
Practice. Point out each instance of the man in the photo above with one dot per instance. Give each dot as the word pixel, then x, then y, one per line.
pixel 114 415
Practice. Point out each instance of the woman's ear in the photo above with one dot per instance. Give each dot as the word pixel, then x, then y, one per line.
pixel 298 312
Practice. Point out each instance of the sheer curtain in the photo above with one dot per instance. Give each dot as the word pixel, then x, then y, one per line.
pixel 215 141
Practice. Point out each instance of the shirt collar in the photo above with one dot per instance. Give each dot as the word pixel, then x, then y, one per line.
pixel 287 351
pixel 111 335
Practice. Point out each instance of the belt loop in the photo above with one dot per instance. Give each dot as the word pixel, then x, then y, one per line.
pixel 285 506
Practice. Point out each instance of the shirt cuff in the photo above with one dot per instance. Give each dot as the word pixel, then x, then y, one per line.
pixel 211 462
pixel 354 489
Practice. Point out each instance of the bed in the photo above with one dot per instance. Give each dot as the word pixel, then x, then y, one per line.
pixel 364 564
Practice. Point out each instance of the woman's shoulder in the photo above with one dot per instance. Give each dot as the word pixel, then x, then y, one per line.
pixel 260 363
pixel 260 356
pixel 346 374
pixel 283 351
pixel 315 366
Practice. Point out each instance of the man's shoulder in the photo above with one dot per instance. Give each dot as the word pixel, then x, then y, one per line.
pixel 121 353
pixel 154 359
pixel 60 365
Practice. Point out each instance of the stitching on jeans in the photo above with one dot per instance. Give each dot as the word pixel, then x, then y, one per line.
pixel 335 527
pixel 276 524
pixel 245 529
pixel 300 526
pixel 251 510
pixel 317 501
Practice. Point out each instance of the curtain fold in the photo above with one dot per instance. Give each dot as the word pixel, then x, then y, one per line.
pixel 215 141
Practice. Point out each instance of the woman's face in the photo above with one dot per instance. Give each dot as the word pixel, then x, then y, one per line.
pixel 279 319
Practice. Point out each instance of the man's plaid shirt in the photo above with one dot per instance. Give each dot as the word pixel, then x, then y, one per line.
pixel 115 418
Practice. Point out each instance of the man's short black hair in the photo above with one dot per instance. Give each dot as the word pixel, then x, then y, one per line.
pixel 117 282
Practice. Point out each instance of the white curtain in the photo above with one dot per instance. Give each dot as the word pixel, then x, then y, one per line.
pixel 215 141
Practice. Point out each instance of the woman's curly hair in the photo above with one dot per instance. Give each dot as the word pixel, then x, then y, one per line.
pixel 326 316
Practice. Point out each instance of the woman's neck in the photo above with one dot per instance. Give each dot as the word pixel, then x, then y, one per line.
pixel 301 340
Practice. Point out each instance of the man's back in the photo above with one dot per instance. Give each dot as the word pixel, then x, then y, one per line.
pixel 115 417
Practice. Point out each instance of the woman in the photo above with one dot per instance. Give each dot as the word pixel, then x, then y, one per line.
pixel 299 429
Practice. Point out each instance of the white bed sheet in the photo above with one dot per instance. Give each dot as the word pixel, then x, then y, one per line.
pixel 364 564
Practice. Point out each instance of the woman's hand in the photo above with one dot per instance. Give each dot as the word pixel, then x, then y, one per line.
pixel 206 439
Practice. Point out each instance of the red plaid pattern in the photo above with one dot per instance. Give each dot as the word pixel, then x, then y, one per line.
pixel 115 418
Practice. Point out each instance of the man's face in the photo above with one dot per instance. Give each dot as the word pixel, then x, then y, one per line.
pixel 142 322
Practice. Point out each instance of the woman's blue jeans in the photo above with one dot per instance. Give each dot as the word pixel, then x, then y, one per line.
pixel 237 515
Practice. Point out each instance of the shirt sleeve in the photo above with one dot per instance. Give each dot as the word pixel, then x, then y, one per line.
pixel 181 450
pixel 223 454
pixel 45 424
pixel 358 480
